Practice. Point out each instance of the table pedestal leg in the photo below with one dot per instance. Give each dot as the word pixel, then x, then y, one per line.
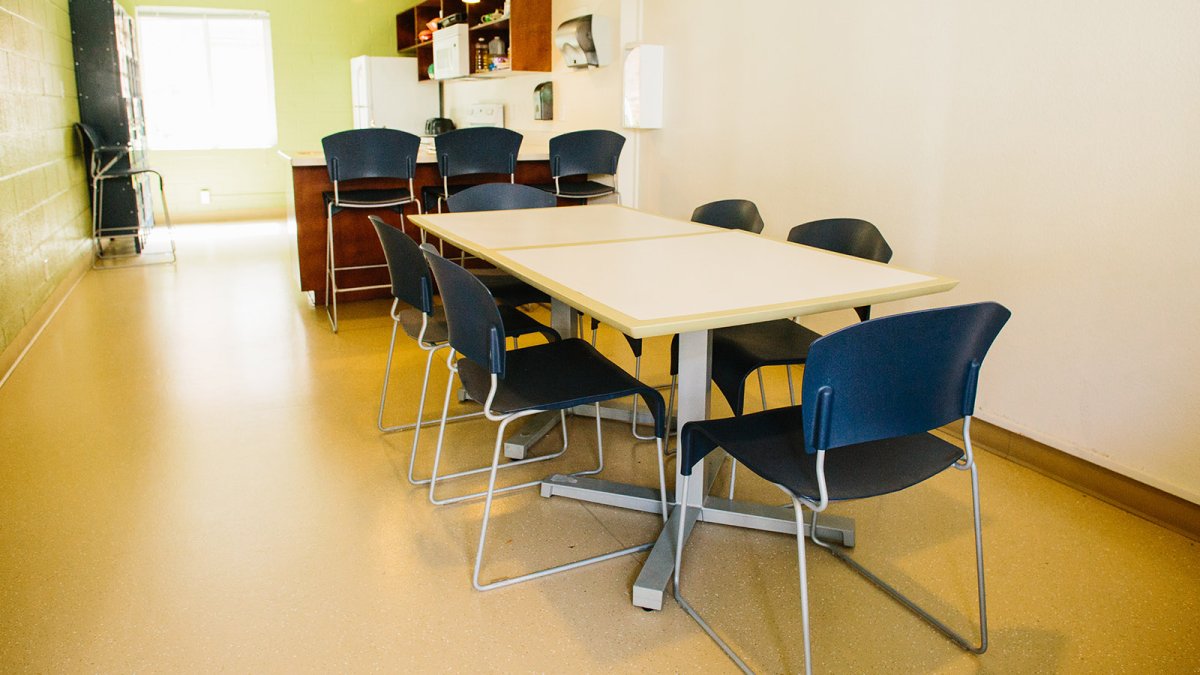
pixel 695 371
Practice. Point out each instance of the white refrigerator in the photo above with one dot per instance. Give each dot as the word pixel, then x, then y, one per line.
pixel 385 92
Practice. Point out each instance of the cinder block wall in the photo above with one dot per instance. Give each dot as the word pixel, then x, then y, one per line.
pixel 44 210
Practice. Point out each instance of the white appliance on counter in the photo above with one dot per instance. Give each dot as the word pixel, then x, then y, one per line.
pixel 450 57
pixel 385 92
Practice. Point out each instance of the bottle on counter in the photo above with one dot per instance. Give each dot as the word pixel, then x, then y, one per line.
pixel 481 56
pixel 496 52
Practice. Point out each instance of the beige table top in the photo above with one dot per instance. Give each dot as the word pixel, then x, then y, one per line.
pixel 647 275
pixel 483 231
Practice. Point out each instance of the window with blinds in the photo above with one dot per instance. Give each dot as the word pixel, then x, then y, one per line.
pixel 207 80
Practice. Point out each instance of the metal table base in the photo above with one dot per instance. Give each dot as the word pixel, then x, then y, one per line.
pixel 651 584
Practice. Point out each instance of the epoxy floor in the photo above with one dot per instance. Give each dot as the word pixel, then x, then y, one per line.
pixel 191 481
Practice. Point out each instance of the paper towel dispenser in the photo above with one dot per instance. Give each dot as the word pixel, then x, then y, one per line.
pixel 585 41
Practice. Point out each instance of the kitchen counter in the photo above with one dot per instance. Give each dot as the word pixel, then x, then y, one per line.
pixel 355 240
pixel 530 152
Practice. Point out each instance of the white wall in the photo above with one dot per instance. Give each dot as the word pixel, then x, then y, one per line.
pixel 1046 154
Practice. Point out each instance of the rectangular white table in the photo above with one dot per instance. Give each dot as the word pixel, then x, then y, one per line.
pixel 647 275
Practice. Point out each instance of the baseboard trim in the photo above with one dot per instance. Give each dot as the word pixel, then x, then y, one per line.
pixel 232 215
pixel 1161 508
pixel 16 350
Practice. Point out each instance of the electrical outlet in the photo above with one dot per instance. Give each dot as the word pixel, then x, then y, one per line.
pixel 205 197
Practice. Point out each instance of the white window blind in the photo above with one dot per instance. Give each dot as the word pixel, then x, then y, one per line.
pixel 207 80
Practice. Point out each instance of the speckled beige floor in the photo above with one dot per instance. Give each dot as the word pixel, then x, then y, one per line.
pixel 191 481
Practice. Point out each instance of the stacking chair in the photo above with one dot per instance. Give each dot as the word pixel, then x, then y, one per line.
pixel 738 351
pixel 115 162
pixel 469 152
pixel 355 155
pixel 425 322
pixel 594 152
pixel 506 288
pixel 872 394
pixel 526 381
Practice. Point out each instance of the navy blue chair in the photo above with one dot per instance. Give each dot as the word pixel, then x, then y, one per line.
pixel 106 162
pixel 738 351
pixel 871 395
pixel 526 381
pixel 506 288
pixel 356 155
pixel 470 152
pixel 425 322
pixel 741 350
pixel 593 152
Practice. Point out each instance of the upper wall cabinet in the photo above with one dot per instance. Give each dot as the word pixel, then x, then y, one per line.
pixel 525 33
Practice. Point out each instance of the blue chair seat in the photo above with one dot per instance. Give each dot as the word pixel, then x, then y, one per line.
pixel 570 373
pixel 365 199
pixel 740 350
pixel 771 444
pixel 578 189
pixel 435 330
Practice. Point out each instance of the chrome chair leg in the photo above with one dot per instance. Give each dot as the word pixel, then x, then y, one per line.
pixel 733 463
pixel 637 373
pixel 330 271
pixel 671 415
pixel 492 491
pixel 803 573
pixel 434 477
pixel 896 595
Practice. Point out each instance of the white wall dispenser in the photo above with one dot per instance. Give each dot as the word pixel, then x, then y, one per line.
pixel 585 41
pixel 642 97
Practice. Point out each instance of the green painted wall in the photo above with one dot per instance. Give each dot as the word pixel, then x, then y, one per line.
pixel 312 44
pixel 44 217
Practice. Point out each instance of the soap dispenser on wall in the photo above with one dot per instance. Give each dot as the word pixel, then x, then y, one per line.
pixel 543 101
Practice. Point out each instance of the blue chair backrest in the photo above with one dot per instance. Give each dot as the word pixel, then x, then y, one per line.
pixel 848 236
pixel 500 197
pixel 371 153
pixel 731 214
pixel 585 152
pixel 474 150
pixel 472 320
pixel 89 140
pixel 896 375
pixel 412 282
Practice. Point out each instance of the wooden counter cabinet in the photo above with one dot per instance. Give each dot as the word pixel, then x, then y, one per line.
pixel 355 240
